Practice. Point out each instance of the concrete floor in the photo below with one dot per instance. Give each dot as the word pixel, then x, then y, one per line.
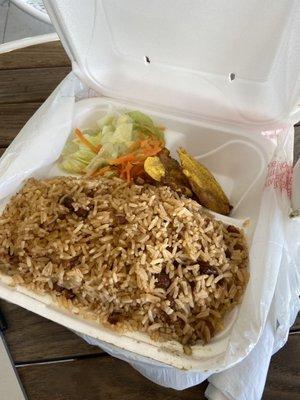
pixel 16 24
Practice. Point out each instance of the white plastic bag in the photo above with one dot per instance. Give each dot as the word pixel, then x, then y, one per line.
pixel 245 381
pixel 285 284
pixel 38 146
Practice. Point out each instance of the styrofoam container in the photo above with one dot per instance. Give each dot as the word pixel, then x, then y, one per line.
pixel 212 73
pixel 242 178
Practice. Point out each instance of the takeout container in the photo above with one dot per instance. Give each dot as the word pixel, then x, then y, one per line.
pixel 216 75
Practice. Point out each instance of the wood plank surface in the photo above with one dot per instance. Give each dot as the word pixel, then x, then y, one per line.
pixel 95 379
pixel 283 381
pixel 40 56
pixel 30 85
pixel 109 378
pixel 296 326
pixel 12 119
pixel 34 338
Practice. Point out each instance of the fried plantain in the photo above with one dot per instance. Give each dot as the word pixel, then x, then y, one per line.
pixel 207 190
pixel 154 168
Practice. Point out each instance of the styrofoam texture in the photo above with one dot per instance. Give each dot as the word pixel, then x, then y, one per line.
pixel 223 60
pixel 193 136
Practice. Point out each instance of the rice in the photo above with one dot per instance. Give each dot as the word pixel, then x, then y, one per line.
pixel 129 257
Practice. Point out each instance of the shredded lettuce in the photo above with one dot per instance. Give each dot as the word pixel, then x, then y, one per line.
pixel 115 134
pixel 108 119
pixel 145 124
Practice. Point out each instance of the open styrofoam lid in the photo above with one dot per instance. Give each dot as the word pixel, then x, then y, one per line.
pixel 220 59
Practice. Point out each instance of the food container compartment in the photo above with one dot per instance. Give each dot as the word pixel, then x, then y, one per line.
pixel 236 159
pixel 214 148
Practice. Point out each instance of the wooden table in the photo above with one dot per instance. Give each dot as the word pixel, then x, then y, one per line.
pixel 54 363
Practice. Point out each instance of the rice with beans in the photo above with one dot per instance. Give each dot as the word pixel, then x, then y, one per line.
pixel 130 257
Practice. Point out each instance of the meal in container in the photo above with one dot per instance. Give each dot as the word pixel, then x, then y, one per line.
pixel 129 242
pixel 131 146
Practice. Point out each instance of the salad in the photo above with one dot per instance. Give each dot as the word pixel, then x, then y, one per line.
pixel 119 146
pixel 129 145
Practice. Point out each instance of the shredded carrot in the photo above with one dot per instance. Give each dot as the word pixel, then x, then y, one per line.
pixel 125 173
pixel 128 169
pixel 123 159
pixel 135 145
pixel 131 165
pixel 80 136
